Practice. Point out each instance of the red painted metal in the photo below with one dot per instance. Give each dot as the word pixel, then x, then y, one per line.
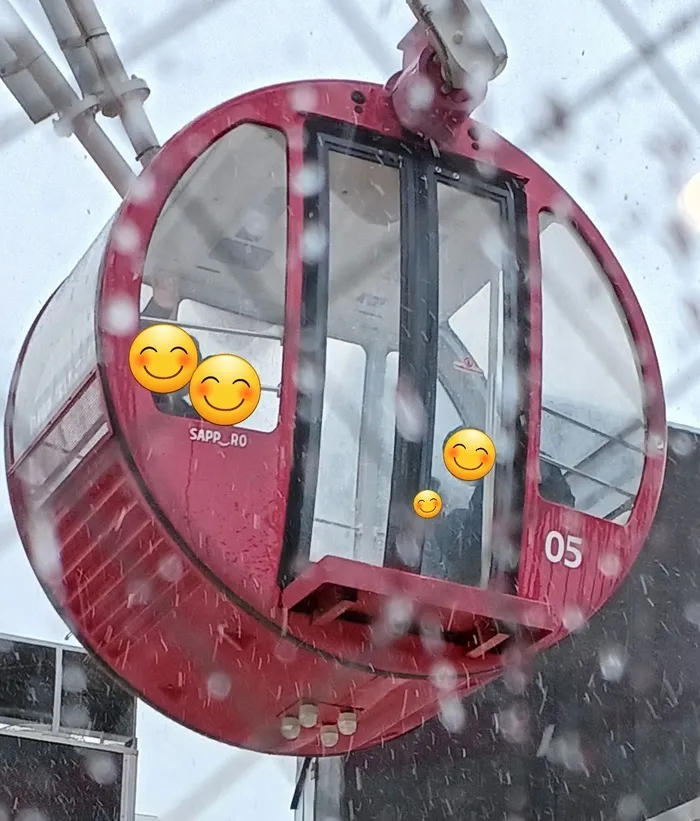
pixel 451 600
pixel 170 550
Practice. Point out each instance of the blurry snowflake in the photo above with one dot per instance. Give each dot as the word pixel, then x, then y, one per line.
pixel 613 661
pixel 692 613
pixel 30 815
pixel 286 652
pixel 562 208
pixel 309 180
pixel 610 565
pixel 314 242
pixel 656 445
pixel 506 555
pixel 143 188
pixel 171 568
pixel 398 615
pixel 308 378
pixel 411 417
pixel 102 767
pixel 681 443
pixel 630 808
pixel 452 715
pixel 486 170
pixel 514 723
pixel 515 680
pixel 421 94
pixel 138 591
pixel 494 246
pixel 444 676
pixel 431 634
pixel 408 547
pixel 255 224
pixel 74 678
pixel 303 98
pixel 218 685
pixel 44 551
pixel 126 238
pixel 574 619
pixel 566 751
pixel 121 316
pixel 76 717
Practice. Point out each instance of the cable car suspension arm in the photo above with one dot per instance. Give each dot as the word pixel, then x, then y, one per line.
pixel 122 96
pixel 41 89
pixel 449 58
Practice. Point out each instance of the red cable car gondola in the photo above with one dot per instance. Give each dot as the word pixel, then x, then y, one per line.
pixel 268 584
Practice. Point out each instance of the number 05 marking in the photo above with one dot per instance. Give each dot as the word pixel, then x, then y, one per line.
pixel 556 548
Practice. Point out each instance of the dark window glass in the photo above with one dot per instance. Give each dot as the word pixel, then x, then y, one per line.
pixel 27 675
pixel 469 376
pixel 43 781
pixel 90 700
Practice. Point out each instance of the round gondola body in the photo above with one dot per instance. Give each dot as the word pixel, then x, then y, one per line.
pixel 268 583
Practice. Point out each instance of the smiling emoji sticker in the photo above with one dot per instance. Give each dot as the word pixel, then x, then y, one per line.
pixel 163 358
pixel 427 504
pixel 469 454
pixel 225 389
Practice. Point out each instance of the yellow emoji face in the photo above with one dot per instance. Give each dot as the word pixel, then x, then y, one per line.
pixel 427 504
pixel 469 454
pixel 225 389
pixel 163 358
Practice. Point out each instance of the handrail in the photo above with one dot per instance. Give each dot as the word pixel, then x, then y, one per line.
pixel 609 436
pixel 583 475
pixel 213 329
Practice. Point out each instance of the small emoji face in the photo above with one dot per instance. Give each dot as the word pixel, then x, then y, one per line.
pixel 163 358
pixel 427 504
pixel 225 389
pixel 469 454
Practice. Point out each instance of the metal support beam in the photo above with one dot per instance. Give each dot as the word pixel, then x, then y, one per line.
pixel 465 39
pixel 330 778
pixel 123 95
pixel 72 42
pixel 322 792
pixel 76 116
pixel 23 86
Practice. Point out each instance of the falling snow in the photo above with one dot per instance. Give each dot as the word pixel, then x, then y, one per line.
pixel 606 717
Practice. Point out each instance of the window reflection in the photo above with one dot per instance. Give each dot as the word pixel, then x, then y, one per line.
pixel 593 428
pixel 40 779
pixel 90 700
pixel 27 673
pixel 470 354
pixel 217 261
pixel 357 433
pixel 335 515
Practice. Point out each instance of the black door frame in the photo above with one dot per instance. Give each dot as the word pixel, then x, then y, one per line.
pixel 420 173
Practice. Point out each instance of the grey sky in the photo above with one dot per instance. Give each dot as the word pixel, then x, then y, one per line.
pixel 55 201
